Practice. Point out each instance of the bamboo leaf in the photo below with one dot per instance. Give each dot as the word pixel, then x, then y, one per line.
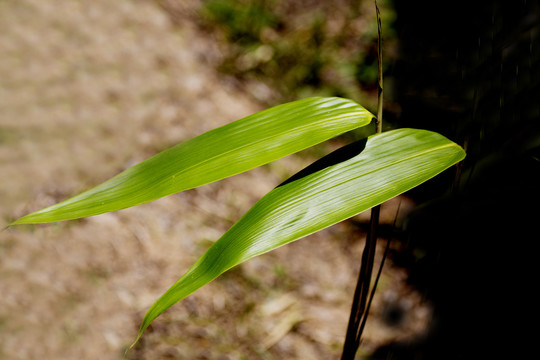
pixel 390 164
pixel 228 150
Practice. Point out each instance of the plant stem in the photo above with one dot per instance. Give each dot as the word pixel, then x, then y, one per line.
pixel 359 308
pixel 380 72
pixel 361 304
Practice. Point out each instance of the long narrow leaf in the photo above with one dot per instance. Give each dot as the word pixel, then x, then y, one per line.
pixel 231 149
pixel 390 164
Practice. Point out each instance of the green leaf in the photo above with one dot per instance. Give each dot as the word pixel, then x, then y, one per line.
pixel 228 150
pixel 390 164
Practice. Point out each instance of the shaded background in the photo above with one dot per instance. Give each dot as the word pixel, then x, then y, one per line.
pixel 90 88
pixel 470 71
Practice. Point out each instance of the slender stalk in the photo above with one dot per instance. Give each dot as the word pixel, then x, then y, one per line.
pixel 377 277
pixel 361 293
pixel 380 72
pixel 361 298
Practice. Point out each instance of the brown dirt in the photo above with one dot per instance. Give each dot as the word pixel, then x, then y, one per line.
pixel 89 88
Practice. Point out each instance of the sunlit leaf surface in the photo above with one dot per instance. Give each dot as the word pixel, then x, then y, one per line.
pixel 390 164
pixel 228 150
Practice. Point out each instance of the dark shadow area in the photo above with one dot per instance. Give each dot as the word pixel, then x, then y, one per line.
pixel 470 70
pixel 335 157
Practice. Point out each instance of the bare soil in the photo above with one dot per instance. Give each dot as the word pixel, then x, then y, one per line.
pixel 88 88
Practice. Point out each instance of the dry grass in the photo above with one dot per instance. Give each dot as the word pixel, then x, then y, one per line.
pixel 90 87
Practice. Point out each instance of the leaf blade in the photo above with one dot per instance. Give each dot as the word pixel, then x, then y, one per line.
pixel 391 163
pixel 231 149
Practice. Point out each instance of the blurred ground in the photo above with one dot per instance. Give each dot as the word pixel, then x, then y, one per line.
pixel 89 88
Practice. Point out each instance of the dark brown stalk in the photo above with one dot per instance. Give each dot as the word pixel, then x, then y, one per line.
pixel 361 298
pixel 361 293
pixel 380 72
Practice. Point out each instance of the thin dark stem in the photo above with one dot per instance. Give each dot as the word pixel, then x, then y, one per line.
pixel 367 302
pixel 361 293
pixel 363 324
pixel 380 72
pixel 362 299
